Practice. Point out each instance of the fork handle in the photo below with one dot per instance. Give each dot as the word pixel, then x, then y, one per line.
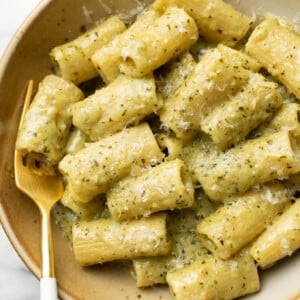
pixel 48 289
pixel 48 286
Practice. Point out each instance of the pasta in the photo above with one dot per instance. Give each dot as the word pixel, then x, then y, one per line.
pixel 171 34
pixel 229 123
pixel 91 171
pixel 164 187
pixel 185 248
pixel 223 231
pixel 250 163
pixel 216 20
pixel 286 118
pixel 279 240
pixel 46 126
pixel 133 99
pixel 219 74
pixel 215 278
pixel 108 58
pixel 271 41
pixel 73 60
pixel 104 240
pixel 184 161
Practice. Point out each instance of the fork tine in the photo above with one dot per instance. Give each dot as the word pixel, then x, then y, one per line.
pixel 18 156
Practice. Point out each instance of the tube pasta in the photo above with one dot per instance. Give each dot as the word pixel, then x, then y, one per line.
pixel 279 240
pixel 85 211
pixel 232 120
pixel 215 279
pixel 219 74
pixel 198 154
pixel 242 219
pixel 103 240
pixel 186 245
pixel 168 36
pixel 131 99
pixel 72 60
pixel 47 123
pixel 172 74
pixel 108 58
pixel 167 186
pixel 92 170
pixel 286 118
pixel 170 145
pixel 217 20
pixel 187 163
pixel 276 47
pixel 253 162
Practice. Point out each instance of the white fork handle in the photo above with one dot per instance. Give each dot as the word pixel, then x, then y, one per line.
pixel 48 289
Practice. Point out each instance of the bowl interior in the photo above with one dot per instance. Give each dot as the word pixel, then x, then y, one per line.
pixel 53 23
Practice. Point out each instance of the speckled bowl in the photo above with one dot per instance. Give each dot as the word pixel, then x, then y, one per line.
pixel 50 24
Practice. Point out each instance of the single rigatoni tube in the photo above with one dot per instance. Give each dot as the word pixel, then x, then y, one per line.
pixel 217 20
pixel 104 240
pixel 230 122
pixel 132 99
pixel 252 162
pixel 279 240
pixel 47 123
pixel 286 118
pixel 72 60
pixel 242 219
pixel 276 47
pixel 170 35
pixel 167 186
pixel 108 58
pixel 92 170
pixel 215 278
pixel 172 74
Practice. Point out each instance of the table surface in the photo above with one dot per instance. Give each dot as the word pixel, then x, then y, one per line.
pixel 16 282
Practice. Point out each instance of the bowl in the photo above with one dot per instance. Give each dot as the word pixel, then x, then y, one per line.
pixel 27 57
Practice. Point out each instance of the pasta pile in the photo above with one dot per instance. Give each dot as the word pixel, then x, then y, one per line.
pixel 186 160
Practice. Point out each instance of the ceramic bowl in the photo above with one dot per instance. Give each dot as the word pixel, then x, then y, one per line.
pixel 26 57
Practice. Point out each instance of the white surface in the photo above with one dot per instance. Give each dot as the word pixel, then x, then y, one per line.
pixel 16 282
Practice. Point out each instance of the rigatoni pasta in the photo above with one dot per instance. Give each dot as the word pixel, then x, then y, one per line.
pixel 184 162
pixel 253 162
pixel 279 240
pixel 173 73
pixel 215 278
pixel 45 131
pixel 167 186
pixel 108 58
pixel 103 240
pixel 219 74
pixel 170 35
pixel 242 219
pixel 92 170
pixel 217 20
pixel 231 121
pixel 132 99
pixel 72 60
pixel 286 118
pixel 276 47
pixel 186 245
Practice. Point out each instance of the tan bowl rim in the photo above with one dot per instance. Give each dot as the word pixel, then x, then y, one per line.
pixel 6 57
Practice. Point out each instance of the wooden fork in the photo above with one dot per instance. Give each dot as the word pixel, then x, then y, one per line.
pixel 45 191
